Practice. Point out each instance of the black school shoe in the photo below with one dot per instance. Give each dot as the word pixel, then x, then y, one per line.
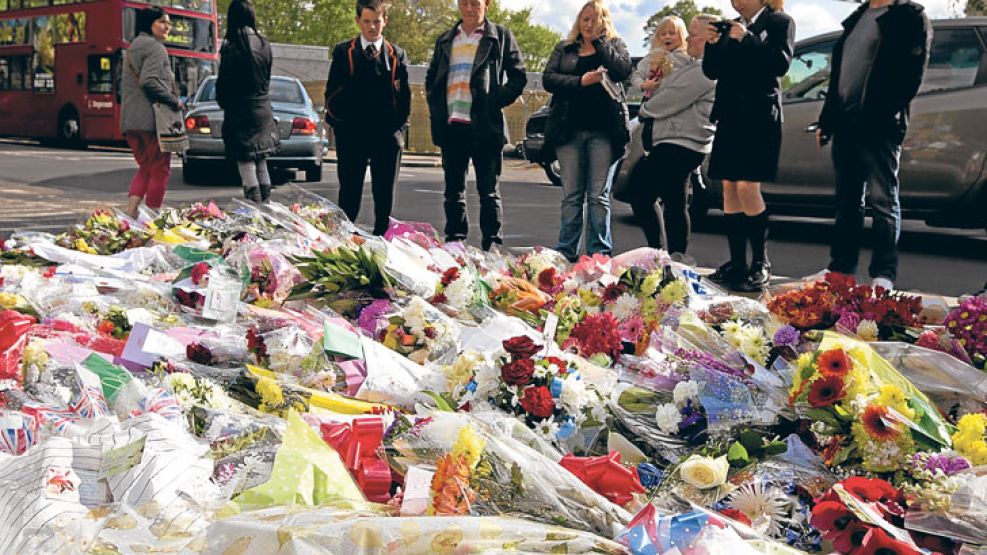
pixel 757 279
pixel 730 274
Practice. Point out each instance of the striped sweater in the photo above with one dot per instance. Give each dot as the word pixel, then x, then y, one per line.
pixel 460 69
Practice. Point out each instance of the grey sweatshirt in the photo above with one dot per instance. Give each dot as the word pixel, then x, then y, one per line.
pixel 681 106
pixel 147 78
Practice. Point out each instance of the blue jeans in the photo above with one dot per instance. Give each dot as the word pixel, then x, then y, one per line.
pixel 585 161
pixel 866 167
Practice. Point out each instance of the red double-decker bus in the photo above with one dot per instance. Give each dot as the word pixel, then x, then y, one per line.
pixel 61 63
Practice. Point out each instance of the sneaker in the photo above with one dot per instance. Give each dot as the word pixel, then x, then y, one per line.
pixel 883 283
pixel 757 279
pixel 729 274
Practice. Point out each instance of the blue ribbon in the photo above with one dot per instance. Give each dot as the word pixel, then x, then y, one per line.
pixel 649 474
pixel 566 430
pixel 556 388
pixel 681 530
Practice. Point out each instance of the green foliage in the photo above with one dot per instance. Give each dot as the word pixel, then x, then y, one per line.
pixel 316 22
pixel 415 24
pixel 751 447
pixel 686 9
pixel 976 7
pixel 535 40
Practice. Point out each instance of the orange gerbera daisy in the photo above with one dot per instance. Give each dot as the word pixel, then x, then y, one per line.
pixel 877 423
pixel 826 391
pixel 834 362
pixel 451 492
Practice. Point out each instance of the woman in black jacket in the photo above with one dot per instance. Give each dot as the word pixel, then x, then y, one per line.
pixel 249 132
pixel 587 128
pixel 748 61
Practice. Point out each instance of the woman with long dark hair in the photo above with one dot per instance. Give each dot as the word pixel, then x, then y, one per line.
pixel 147 79
pixel 242 91
pixel 748 61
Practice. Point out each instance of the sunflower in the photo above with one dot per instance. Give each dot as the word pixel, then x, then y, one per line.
pixel 834 362
pixel 876 420
pixel 826 391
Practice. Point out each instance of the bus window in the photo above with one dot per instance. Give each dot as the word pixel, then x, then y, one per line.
pixel 186 33
pixel 4 74
pixel 100 74
pixel 19 79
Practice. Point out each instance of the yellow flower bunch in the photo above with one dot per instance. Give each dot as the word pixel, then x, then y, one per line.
pixel 893 397
pixel 969 438
pixel 469 445
pixel 8 301
pixel 650 284
pixel 82 246
pixel 674 292
pixel 270 394
pixel 589 298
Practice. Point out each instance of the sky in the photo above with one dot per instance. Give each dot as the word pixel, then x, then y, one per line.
pixel 812 17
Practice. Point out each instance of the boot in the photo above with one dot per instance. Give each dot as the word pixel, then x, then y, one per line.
pixel 265 192
pixel 252 194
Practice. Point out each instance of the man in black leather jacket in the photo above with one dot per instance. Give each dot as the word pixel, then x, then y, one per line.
pixel 481 64
pixel 878 65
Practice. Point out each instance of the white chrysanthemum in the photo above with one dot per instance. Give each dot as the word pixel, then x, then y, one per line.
pixel 459 293
pixel 575 396
pixel 547 429
pixel 754 344
pixel 625 306
pixel 668 417
pixel 685 391
pixel 462 369
pixel 766 506
pixel 867 330
pixel 487 378
pixel 731 327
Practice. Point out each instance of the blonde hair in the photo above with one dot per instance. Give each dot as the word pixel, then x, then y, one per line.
pixel 776 5
pixel 658 56
pixel 603 20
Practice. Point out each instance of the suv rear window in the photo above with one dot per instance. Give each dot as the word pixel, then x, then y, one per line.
pixel 954 60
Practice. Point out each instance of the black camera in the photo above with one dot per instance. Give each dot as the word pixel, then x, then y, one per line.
pixel 722 26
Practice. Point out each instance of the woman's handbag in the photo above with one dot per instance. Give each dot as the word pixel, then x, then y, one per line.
pixel 170 127
pixel 169 123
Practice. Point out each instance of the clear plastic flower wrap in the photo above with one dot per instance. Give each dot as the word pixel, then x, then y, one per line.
pixel 314 216
pixel 326 529
pixel 418 331
pixel 963 516
pixel 481 472
pixel 269 274
pixel 408 264
pixel 947 380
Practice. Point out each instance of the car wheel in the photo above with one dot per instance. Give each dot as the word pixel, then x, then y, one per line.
pixel 553 171
pixel 314 174
pixel 69 128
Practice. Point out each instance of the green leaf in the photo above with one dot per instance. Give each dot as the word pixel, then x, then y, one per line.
pixel 775 448
pixel 440 403
pixel 738 456
pixel 751 441
pixel 843 455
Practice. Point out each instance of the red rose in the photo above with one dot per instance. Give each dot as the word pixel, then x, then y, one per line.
pixel 548 279
pixel 199 271
pixel 521 347
pixel 450 276
pixel 518 372
pixel 563 367
pixel 538 402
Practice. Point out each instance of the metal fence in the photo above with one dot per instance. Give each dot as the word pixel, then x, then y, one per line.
pixel 419 135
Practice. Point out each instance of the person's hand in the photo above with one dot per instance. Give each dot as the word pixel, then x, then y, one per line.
pixel 591 78
pixel 181 105
pixel 822 139
pixel 737 30
pixel 650 85
pixel 712 34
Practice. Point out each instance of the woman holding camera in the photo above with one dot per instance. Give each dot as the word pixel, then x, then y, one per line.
pixel 747 57
pixel 587 127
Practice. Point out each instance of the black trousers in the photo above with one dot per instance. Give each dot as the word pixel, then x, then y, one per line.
pixel 866 166
pixel 665 174
pixel 461 147
pixel 354 152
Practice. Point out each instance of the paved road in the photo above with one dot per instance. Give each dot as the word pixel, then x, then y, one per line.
pixel 49 189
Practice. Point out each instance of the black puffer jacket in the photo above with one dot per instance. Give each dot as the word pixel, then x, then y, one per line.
pixel 242 91
pixel 561 80
pixel 895 76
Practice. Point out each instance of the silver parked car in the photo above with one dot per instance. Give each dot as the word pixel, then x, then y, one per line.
pixel 943 170
pixel 299 124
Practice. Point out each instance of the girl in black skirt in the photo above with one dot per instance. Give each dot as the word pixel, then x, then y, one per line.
pixel 748 61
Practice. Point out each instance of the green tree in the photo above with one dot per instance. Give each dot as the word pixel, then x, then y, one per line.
pixel 415 24
pixel 316 22
pixel 535 40
pixel 976 7
pixel 686 9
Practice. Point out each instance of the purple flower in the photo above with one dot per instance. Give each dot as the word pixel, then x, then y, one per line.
pixel 947 464
pixel 848 322
pixel 373 315
pixel 786 336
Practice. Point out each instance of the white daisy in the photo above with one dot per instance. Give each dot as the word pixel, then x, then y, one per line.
pixel 547 429
pixel 766 506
